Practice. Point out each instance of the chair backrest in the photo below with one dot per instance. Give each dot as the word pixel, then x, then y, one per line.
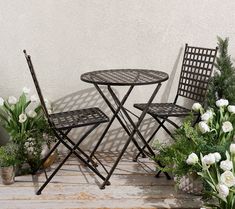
pixel 35 80
pixel 196 71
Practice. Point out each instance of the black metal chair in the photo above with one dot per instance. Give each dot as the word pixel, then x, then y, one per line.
pixel 62 123
pixel 196 71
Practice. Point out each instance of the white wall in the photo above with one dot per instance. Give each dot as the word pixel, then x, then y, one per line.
pixel 69 37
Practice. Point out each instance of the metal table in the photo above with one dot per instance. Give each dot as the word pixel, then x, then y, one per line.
pixel 131 78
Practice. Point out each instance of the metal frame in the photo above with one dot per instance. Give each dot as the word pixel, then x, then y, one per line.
pixel 103 78
pixel 62 123
pixel 197 66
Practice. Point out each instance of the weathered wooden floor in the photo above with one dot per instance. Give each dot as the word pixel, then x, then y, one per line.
pixel 133 185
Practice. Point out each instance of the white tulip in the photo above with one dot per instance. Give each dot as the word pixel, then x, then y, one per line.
pixel 12 100
pixel 1 101
pixel 207 115
pixel 217 156
pixel 227 126
pixel 221 103
pixel 26 90
pixel 223 190
pixel 192 159
pixel 31 113
pixel 231 108
pixel 22 118
pixel 203 127
pixel 226 165
pixel 227 178
pixel 34 98
pixel 196 107
pixel 232 148
pixel 208 159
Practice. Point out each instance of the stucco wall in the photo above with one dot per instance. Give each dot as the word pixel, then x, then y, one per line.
pixel 69 37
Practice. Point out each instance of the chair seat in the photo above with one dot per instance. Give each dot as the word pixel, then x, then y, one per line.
pixel 164 109
pixel 78 118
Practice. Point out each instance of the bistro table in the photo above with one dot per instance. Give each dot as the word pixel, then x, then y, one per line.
pixel 131 78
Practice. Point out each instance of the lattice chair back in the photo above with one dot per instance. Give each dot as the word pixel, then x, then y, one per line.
pixel 196 71
pixel 35 80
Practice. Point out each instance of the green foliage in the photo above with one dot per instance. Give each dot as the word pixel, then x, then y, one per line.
pixel 187 140
pixel 8 155
pixel 207 136
pixel 222 85
pixel 24 120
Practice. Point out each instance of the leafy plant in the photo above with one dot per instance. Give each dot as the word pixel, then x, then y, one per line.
pixel 222 84
pixel 23 119
pixel 219 176
pixel 213 133
pixel 8 155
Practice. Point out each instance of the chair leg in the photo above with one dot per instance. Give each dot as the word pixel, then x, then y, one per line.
pixel 148 141
pixel 72 150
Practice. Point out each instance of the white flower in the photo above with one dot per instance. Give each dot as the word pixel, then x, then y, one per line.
pixel 31 113
pixel 196 107
pixel 1 101
pixel 34 98
pixel 223 190
pixel 12 100
pixel 227 178
pixel 226 165
pixel 30 139
pixel 208 159
pixel 232 148
pixel 192 159
pixel 227 126
pixel 231 108
pixel 217 156
pixel 203 127
pixel 221 102
pixel 22 118
pixel 30 149
pixel 207 115
pixel 26 144
pixel 26 90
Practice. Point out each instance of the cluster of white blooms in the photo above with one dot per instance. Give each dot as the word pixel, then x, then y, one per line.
pixel 30 113
pixel 227 178
pixel 29 146
pixel 206 117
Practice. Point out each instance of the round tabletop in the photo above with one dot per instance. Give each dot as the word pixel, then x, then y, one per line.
pixel 124 77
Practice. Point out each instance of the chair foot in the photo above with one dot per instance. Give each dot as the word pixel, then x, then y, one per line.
pixel 38 192
pixel 143 155
pixel 134 159
pixel 102 187
pixel 158 174
pixel 167 176
pixel 108 183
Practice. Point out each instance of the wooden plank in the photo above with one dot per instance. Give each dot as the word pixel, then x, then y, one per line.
pixel 133 185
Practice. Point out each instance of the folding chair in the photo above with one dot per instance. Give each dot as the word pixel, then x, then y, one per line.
pixel 62 123
pixel 196 71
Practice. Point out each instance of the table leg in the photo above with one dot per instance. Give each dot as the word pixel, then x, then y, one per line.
pixel 115 115
pixel 131 135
